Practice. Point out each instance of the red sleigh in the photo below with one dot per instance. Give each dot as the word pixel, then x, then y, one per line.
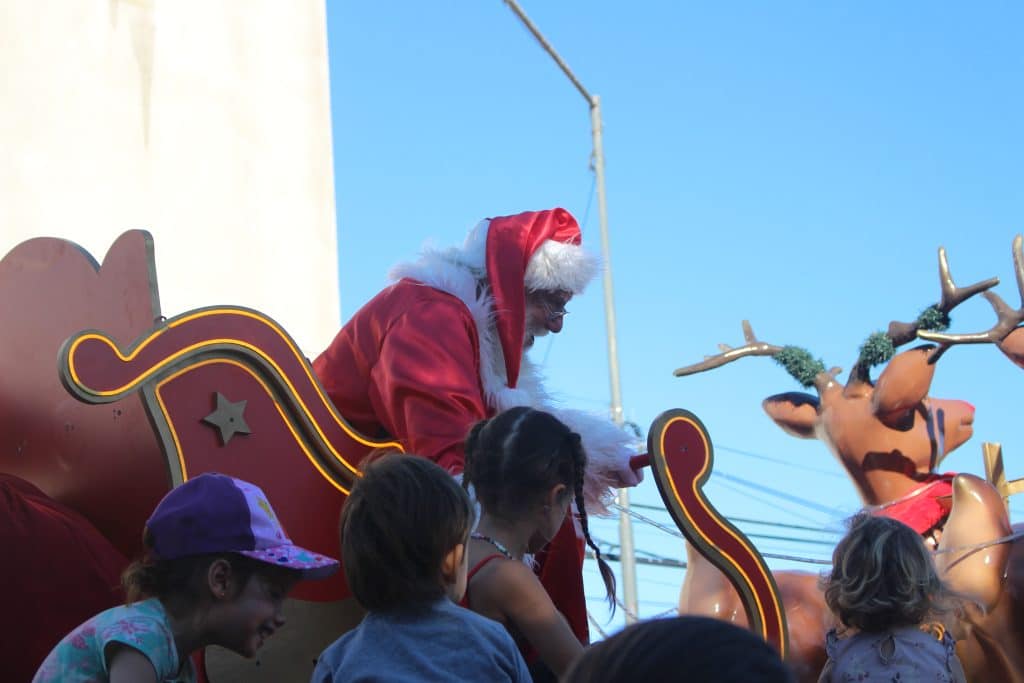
pixel 215 389
pixel 159 401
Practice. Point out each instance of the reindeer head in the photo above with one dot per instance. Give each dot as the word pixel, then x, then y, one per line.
pixel 888 434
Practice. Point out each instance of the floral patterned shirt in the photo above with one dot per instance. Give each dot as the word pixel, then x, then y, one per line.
pixel 80 658
pixel 903 655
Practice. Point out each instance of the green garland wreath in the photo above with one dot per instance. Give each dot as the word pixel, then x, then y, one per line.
pixel 878 347
pixel 800 364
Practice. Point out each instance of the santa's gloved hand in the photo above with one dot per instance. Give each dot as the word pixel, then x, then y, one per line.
pixel 624 476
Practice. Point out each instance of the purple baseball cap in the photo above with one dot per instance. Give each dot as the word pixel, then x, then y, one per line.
pixel 215 513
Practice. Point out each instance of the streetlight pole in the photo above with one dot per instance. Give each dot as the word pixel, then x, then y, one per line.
pixel 628 560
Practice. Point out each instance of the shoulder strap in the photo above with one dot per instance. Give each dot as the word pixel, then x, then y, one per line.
pixel 480 565
pixel 464 602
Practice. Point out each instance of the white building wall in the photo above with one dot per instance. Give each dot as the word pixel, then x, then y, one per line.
pixel 206 122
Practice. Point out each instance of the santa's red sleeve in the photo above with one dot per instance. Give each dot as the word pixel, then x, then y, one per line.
pixel 425 387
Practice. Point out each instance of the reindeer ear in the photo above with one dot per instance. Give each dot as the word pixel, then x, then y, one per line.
pixel 795 412
pixel 904 383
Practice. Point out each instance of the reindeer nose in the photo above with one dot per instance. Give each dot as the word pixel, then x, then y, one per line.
pixel 968 416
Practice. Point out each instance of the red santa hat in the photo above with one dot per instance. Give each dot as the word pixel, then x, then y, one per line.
pixel 528 251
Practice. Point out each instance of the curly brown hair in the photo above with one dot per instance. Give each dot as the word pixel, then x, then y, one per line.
pixel 883 577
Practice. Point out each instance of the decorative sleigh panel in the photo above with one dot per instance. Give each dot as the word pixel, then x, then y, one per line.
pixel 217 389
pixel 682 460
pixel 227 390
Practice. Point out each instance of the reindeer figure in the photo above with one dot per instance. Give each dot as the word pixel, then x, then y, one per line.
pixel 890 436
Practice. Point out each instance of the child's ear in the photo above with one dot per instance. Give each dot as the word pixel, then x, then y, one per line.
pixel 556 495
pixel 453 562
pixel 220 579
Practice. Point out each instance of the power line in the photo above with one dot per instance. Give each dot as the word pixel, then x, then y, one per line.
pixel 780 461
pixel 646 560
pixel 678 534
pixel 797 500
pixel 748 520
pixel 758 499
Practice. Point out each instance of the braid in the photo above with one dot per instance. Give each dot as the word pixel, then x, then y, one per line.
pixel 580 465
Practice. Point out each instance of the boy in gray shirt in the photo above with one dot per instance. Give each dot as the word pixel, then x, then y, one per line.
pixel 404 529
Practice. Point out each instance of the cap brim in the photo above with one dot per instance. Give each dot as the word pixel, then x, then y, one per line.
pixel 308 564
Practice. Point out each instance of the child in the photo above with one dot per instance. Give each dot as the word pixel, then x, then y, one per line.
pixel 885 591
pixel 217 569
pixel 525 467
pixel 681 649
pixel 404 529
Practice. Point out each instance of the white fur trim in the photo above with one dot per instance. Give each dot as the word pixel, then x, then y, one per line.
pixel 606 445
pixel 474 249
pixel 556 265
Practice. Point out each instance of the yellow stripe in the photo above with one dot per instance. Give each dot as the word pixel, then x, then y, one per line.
pixel 700 499
pixel 210 342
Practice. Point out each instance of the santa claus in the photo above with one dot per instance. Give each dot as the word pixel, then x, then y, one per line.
pixel 444 346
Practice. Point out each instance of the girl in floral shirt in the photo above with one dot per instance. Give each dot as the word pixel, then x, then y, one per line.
pixel 217 569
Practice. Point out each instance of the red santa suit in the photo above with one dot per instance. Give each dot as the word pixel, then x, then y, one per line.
pixel 442 348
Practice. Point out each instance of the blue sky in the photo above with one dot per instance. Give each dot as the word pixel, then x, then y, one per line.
pixel 795 163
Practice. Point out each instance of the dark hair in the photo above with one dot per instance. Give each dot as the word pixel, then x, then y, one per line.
pixel 883 577
pixel 403 516
pixel 179 583
pixel 683 648
pixel 516 456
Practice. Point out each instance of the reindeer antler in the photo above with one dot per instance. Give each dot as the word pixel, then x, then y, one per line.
pixel 753 347
pixel 798 362
pixel 880 346
pixel 1007 318
pixel 952 296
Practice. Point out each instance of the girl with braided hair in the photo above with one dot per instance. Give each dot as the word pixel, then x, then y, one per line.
pixel 526 469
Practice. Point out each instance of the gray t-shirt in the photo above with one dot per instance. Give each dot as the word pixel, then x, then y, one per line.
pixel 903 654
pixel 441 642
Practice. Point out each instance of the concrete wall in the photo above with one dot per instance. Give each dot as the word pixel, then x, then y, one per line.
pixel 206 122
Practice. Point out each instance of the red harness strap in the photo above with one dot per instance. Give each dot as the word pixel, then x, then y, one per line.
pixel 924 507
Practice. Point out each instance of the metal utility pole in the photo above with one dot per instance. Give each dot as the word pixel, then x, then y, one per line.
pixel 628 559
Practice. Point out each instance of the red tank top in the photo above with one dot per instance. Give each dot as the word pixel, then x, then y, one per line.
pixel 529 654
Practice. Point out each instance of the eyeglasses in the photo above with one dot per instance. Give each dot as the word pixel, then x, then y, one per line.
pixel 552 303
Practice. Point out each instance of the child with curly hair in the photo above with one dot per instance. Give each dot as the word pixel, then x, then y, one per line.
pixel 886 593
